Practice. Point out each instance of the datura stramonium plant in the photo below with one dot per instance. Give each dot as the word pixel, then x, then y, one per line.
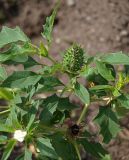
pixel 40 112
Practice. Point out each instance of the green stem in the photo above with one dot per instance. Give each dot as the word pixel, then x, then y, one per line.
pixel 61 93
pixel 77 149
pixel 51 59
pixel 82 114
pixel 6 111
pixel 34 46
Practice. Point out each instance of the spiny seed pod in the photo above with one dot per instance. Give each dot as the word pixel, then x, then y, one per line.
pixel 73 59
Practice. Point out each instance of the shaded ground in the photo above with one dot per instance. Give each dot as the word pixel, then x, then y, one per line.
pixel 100 26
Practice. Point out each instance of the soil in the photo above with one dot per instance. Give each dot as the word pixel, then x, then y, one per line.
pixel 99 26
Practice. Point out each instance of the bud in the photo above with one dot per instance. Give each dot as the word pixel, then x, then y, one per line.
pixel 73 59
pixel 19 135
pixel 43 50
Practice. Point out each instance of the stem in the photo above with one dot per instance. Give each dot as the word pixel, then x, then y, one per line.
pixel 77 149
pixel 107 100
pixel 6 111
pixel 82 114
pixel 61 93
pixel 51 59
pixel 34 46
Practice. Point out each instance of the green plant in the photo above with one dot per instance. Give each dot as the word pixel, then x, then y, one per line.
pixel 46 122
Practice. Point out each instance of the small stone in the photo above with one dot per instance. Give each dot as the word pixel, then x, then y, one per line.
pixel 88 18
pixel 102 39
pixel 92 30
pixel 117 38
pixel 70 2
pixel 124 33
pixel 58 40
pixel 112 5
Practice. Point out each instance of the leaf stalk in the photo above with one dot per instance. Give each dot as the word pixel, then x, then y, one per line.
pixel 6 111
pixel 82 114
pixel 77 149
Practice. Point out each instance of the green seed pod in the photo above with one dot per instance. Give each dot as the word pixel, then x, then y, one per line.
pixel 73 59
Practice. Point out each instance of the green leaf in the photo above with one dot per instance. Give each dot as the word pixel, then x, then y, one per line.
pixel 101 87
pixel 116 92
pixel 59 117
pixel 30 63
pixel 53 103
pixel 3 73
pixel 47 113
pixel 104 71
pixel 12 119
pixel 6 128
pixel 63 147
pixel 101 90
pixel 48 84
pixel 121 111
pixel 52 81
pixel 48 27
pixel 6 94
pixel 28 154
pixel 21 157
pixel 21 79
pixel 82 93
pixel 88 73
pixel 32 114
pixel 106 157
pixel 116 58
pixel 40 157
pixel 92 75
pixel 94 148
pixel 20 58
pixel 8 35
pixel 65 104
pixel 123 100
pixel 17 53
pixel 50 70
pixel 27 64
pixel 8 149
pixel 46 149
pixel 62 103
pixel 3 139
pixel 126 69
pixel 108 122
pixel 17 99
